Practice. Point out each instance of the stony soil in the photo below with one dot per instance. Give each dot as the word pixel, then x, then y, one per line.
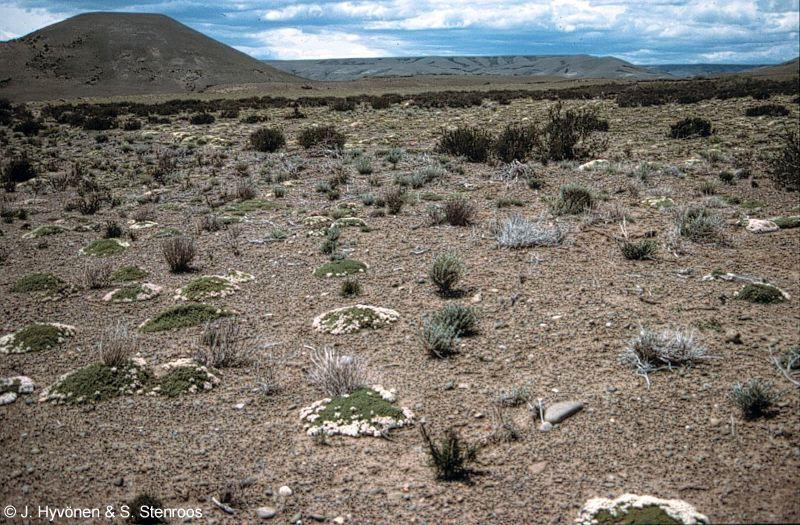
pixel 555 319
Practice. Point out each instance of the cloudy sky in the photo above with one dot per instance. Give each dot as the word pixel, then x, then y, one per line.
pixel 645 31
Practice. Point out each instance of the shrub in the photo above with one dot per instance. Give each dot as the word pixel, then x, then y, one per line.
pixel 116 346
pixel 754 398
pixel 761 294
pixel 450 457
pixel 245 190
pixel 462 320
pixel 639 250
pixel 573 199
pixel 785 164
pixel 394 200
pixel 100 123
pixel 28 127
pixel 18 170
pixel 350 288
pixel 96 275
pixel 202 119
pixel 472 143
pixel 143 510
pixel 343 104
pixel 336 374
pixel 132 125
pixel 279 191
pixel 518 232
pixel 699 224
pixel 446 271
pixel 438 339
pixel 222 345
pixel 515 142
pixel 690 127
pixel 322 136
pixel 112 230
pixel 395 155
pixel 179 253
pixel 565 134
pixel 459 211
pixel 652 351
pixel 770 110
pixel 267 139
pixel 363 165
pixel 39 282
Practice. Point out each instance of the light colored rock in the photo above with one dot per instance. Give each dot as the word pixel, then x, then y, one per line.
pixel 558 412
pixel 266 513
pixel 285 491
pixel 545 427
pixel 595 165
pixel 17 384
pixel 761 226
pixel 7 398
pixel 679 510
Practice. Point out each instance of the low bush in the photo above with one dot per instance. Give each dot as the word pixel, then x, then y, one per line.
pixel 438 339
pixel 700 224
pixel 755 398
pixel 450 456
pixel 267 139
pixel 18 170
pixel 760 293
pixel 459 211
pixel 336 374
pixel 690 128
pixel 222 345
pixel 462 320
pixel 573 199
pixel 322 136
pixel 518 232
pixel 784 165
pixel 179 252
pixel 639 250
pixel 769 110
pixel 652 351
pixel 515 142
pixel 199 119
pixel 446 271
pixel 472 143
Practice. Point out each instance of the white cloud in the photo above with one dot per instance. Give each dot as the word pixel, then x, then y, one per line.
pixel 293 43
pixel 16 21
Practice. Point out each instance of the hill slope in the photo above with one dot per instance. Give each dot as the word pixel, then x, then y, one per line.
pixel 568 66
pixel 102 54
pixel 787 69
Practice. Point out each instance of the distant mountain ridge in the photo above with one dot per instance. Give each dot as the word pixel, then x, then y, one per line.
pixel 102 54
pixel 567 66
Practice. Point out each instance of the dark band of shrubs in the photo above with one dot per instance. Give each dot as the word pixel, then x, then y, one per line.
pixel 690 127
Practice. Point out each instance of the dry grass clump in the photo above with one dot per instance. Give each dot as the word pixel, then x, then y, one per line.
pixel 450 456
pixel 179 252
pixel 459 211
pixel 116 346
pixel 699 224
pixel 573 199
pixel 97 275
pixel 446 271
pixel 222 345
pixel 336 374
pixel 755 398
pixel 652 351
pixel 519 232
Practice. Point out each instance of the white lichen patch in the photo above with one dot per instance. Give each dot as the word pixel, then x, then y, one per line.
pixel 677 509
pixel 317 221
pixel 659 202
pixel 735 278
pixel 206 287
pixel 236 276
pixel 356 222
pixel 351 319
pixel 193 377
pixel 375 417
pixel 136 292
pixel 13 387
pixel 43 231
pixel 18 342
pixel 136 225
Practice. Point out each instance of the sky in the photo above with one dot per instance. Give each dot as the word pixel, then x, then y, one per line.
pixel 643 32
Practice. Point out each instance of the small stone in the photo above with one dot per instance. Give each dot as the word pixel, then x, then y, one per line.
pixel 8 398
pixel 285 491
pixel 558 412
pixel 266 513
pixel 592 165
pixel 477 298
pixel 546 427
pixel 119 482
pixel 734 337
pixel 338 520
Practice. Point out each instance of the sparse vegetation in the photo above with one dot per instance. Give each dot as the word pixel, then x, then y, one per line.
pixel 183 316
pixel 446 271
pixel 179 252
pixel 450 456
pixel 754 398
pixel 472 143
pixel 267 139
pixel 690 128
pixel 322 136
pixel 760 293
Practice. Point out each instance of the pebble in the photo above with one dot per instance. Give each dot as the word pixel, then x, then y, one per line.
pixel 558 412
pixel 266 513
pixel 546 426
pixel 734 337
pixel 761 226
pixel 284 491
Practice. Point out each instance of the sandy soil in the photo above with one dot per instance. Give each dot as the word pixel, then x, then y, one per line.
pixel 552 318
